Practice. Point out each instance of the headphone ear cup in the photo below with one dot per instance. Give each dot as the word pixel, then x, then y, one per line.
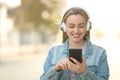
pixel 63 28
pixel 88 27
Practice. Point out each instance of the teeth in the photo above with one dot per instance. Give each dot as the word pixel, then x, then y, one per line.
pixel 76 35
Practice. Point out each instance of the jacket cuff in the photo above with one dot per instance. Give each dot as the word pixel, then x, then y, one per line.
pixel 87 75
pixel 53 72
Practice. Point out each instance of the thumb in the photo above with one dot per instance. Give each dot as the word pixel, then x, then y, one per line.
pixel 83 60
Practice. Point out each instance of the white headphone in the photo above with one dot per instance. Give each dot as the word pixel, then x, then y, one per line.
pixel 63 27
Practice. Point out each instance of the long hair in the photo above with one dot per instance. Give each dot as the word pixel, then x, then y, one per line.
pixel 74 11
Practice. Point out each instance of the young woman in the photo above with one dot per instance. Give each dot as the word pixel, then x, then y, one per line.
pixel 94 66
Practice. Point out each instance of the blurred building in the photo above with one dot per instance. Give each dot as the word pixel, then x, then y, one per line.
pixel 7 23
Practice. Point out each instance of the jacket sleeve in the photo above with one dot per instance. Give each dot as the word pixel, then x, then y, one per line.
pixel 49 71
pixel 102 72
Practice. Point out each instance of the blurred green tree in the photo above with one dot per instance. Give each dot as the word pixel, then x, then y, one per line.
pixel 42 14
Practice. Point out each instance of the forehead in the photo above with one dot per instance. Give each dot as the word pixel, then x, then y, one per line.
pixel 75 18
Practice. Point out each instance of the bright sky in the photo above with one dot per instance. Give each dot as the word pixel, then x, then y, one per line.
pixel 104 14
pixel 11 3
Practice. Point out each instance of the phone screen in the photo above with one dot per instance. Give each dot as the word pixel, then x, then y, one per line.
pixel 75 53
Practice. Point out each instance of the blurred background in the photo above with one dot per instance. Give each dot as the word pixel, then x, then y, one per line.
pixel 28 28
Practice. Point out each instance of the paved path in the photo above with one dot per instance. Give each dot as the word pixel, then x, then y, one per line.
pixel 24 68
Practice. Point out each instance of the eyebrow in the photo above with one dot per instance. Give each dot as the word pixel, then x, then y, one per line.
pixel 78 24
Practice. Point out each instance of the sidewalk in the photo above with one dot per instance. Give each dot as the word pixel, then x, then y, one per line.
pixel 27 67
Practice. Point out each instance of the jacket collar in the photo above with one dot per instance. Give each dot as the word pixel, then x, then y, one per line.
pixel 66 46
pixel 89 49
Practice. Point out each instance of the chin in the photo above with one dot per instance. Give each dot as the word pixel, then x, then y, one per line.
pixel 76 40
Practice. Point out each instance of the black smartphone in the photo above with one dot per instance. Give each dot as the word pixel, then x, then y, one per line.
pixel 75 53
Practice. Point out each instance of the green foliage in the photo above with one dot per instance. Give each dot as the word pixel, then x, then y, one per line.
pixel 42 12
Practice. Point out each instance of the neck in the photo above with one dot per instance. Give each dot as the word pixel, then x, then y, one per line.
pixel 77 44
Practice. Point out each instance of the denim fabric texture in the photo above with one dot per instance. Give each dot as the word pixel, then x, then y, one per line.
pixel 96 60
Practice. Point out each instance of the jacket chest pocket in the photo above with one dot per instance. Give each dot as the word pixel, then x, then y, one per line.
pixel 93 67
pixel 92 64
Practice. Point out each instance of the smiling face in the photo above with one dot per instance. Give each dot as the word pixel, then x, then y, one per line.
pixel 76 28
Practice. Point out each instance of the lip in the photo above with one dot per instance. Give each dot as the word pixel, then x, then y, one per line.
pixel 76 36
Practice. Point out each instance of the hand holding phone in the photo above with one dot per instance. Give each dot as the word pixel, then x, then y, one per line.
pixel 75 53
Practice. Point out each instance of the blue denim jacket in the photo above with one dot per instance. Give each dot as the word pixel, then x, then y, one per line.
pixel 96 61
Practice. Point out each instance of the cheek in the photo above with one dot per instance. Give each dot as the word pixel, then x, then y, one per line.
pixel 68 33
pixel 68 30
pixel 83 31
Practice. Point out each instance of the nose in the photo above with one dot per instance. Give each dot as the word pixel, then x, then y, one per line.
pixel 76 30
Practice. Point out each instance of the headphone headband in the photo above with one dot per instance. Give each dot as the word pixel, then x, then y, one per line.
pixel 75 10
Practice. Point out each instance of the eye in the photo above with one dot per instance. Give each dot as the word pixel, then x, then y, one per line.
pixel 71 26
pixel 81 25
